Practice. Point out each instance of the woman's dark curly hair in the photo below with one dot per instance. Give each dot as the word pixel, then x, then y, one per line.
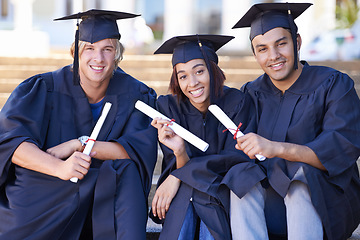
pixel 218 76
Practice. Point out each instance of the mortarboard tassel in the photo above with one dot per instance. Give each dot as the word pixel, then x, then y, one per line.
pixel 293 36
pixel 76 56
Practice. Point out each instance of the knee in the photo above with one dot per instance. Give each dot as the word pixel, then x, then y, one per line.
pixel 297 190
pixel 256 195
pixel 127 165
pixel 126 169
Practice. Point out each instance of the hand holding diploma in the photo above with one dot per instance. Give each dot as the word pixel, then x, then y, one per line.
pixel 168 137
pixel 179 130
pixel 95 133
pixel 229 124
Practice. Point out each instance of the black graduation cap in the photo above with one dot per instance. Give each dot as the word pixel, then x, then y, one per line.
pixel 266 16
pixel 96 25
pixel 186 48
pixel 199 46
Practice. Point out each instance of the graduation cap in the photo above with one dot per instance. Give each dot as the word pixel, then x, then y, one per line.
pixel 199 46
pixel 189 47
pixel 266 16
pixel 96 25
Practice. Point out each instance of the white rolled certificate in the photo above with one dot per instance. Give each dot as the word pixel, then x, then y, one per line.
pixel 229 124
pixel 95 133
pixel 179 130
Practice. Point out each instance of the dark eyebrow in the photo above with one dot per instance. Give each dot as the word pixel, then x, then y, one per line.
pixel 281 39
pixel 277 41
pixel 195 66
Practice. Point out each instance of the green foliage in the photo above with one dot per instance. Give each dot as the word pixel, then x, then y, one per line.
pixel 346 13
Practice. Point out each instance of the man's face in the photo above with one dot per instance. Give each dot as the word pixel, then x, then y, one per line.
pixel 96 62
pixel 274 51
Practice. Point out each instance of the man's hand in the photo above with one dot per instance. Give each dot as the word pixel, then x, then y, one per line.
pixel 252 144
pixel 65 149
pixel 77 165
pixel 29 156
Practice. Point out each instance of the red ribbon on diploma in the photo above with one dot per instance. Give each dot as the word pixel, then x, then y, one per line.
pixel 236 130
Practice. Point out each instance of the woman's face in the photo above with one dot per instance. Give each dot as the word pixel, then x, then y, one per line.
pixel 194 82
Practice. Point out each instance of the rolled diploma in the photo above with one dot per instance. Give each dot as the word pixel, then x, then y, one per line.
pixel 95 133
pixel 179 130
pixel 229 124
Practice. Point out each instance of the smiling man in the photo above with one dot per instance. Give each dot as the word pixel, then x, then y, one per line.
pixel 308 129
pixel 44 127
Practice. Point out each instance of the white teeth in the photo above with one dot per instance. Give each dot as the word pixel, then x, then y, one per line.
pixel 196 91
pixel 96 68
pixel 277 65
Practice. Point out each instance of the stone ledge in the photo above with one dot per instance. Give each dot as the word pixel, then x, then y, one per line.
pixel 356 234
pixel 153 231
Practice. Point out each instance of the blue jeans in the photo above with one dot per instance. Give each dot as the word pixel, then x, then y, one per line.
pixel 248 219
pixel 188 228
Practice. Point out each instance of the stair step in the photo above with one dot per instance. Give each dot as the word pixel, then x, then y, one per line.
pixel 153 231
pixel 356 234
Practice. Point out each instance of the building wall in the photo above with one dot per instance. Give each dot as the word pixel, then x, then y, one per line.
pixel 180 17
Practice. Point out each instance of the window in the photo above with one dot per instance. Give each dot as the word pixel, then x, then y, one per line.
pixel 4 8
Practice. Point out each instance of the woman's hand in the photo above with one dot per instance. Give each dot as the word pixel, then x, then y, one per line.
pixel 164 195
pixel 168 137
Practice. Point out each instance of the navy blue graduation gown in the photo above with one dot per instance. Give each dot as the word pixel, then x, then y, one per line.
pixel 322 111
pixel 201 176
pixel 48 112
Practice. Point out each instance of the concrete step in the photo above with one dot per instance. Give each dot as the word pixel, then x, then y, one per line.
pixel 3 98
pixel 154 70
pixel 356 234
pixel 151 73
pixel 163 61
pixel 153 231
pixel 156 78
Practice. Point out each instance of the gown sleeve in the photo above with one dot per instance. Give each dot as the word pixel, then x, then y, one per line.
pixel 139 138
pixel 338 145
pixel 24 117
pixel 169 161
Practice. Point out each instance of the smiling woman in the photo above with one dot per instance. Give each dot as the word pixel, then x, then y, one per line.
pixel 194 82
pixel 186 200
